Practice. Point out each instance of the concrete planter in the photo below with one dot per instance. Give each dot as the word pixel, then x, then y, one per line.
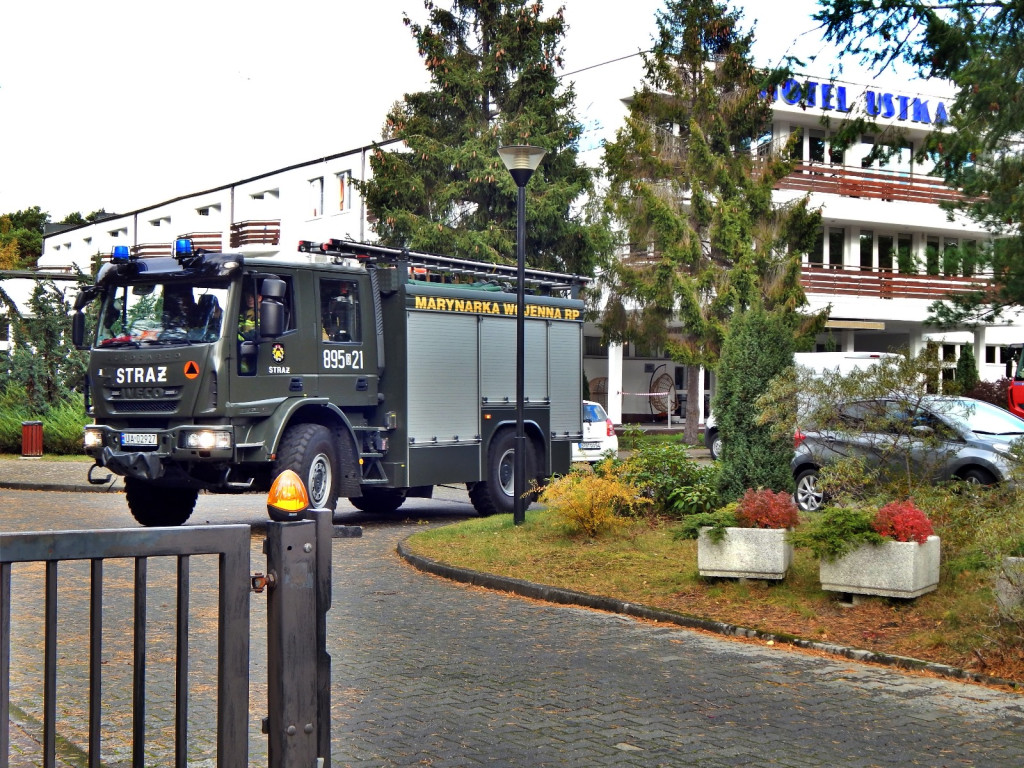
pixel 890 569
pixel 745 553
pixel 1010 586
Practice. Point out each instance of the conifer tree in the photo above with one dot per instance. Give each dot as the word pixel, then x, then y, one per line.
pixel 758 347
pixel 691 176
pixel 493 70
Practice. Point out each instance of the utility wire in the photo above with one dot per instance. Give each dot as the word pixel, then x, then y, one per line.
pixel 603 63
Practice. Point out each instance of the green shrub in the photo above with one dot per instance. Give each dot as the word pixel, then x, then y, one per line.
pixel 758 347
pixel 13 411
pixel 835 531
pixel 659 469
pixel 62 428
pixel 718 521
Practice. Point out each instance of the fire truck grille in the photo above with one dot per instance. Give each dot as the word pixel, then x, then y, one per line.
pixel 142 406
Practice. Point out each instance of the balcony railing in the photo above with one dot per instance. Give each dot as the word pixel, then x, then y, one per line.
pixel 208 241
pixel 849 181
pixel 146 250
pixel 256 233
pixel 887 283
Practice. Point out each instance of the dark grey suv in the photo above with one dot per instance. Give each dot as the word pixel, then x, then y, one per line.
pixel 945 437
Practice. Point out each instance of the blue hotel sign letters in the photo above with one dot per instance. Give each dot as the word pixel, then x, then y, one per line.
pixel 832 97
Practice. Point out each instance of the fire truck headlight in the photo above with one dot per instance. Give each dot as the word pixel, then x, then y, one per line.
pixel 208 439
pixel 93 438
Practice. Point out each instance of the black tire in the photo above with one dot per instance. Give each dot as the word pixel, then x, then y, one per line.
pixel 379 501
pixel 808 496
pixel 494 496
pixel 152 505
pixel 977 476
pixel 310 452
pixel 714 444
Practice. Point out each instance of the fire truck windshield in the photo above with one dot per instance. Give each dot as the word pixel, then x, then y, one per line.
pixel 159 313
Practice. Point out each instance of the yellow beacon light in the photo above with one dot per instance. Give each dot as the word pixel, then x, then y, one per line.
pixel 287 499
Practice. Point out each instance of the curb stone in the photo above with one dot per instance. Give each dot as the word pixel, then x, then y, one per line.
pixel 562 596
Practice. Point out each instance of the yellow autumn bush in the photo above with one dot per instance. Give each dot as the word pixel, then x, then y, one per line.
pixel 593 503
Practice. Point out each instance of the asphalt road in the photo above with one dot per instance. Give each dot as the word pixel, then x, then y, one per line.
pixel 428 672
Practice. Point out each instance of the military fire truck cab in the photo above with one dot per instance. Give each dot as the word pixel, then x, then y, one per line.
pixel 374 373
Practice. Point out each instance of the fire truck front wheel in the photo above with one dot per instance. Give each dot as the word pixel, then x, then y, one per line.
pixel 309 451
pixel 495 495
pixel 152 505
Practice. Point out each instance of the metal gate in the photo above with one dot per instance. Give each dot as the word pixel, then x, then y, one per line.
pixel 229 543
pixel 298 582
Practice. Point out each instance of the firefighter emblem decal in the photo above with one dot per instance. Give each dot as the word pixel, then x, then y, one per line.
pixel 277 352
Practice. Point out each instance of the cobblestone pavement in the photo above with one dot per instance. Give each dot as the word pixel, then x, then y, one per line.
pixel 428 672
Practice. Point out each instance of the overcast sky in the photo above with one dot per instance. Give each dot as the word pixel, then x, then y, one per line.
pixel 118 104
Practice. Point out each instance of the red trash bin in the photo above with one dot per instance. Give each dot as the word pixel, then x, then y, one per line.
pixel 31 439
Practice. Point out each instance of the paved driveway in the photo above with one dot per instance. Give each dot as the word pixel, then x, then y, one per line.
pixel 427 672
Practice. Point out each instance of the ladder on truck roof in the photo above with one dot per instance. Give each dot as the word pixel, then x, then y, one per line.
pixel 542 281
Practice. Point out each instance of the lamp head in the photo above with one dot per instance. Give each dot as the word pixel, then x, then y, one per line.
pixel 521 160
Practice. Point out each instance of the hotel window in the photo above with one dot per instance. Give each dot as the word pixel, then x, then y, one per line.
pixel 816 257
pixel 836 238
pixel 344 190
pixel 990 354
pixel 816 147
pixel 885 253
pixel 316 196
pixel 905 254
pixel 969 257
pixel 797 152
pixel 931 255
pixel 867 250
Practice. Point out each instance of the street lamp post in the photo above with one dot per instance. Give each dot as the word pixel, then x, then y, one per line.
pixel 521 161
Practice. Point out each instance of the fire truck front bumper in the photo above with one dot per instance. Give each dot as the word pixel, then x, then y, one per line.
pixel 159 454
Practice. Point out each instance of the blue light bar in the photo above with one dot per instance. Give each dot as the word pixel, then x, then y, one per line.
pixel 120 253
pixel 183 247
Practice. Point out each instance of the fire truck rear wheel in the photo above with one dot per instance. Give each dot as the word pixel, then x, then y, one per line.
pixel 152 505
pixel 494 496
pixel 379 501
pixel 309 451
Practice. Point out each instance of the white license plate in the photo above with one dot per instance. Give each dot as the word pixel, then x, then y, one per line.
pixel 139 439
pixel 590 446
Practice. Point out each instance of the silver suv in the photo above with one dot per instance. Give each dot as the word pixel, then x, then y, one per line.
pixel 945 437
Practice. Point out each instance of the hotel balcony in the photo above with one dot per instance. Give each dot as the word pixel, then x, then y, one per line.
pixel 850 181
pixel 886 283
pixel 255 233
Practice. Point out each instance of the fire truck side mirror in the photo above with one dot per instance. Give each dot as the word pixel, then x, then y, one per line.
pixel 272 307
pixel 78 330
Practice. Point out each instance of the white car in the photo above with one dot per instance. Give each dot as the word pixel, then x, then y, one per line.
pixel 599 438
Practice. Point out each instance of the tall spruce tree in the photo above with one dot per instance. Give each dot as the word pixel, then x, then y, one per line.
pixel 691 176
pixel 493 70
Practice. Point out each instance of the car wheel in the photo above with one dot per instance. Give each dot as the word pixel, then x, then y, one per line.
pixel 808 497
pixel 716 445
pixel 977 476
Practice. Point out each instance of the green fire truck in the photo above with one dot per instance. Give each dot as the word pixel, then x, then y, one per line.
pixel 374 373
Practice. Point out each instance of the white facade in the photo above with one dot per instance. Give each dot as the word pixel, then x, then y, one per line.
pixel 880 261
pixel 310 201
pixel 871 215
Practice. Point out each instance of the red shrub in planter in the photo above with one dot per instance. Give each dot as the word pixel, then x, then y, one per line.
pixel 765 509
pixel 903 521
